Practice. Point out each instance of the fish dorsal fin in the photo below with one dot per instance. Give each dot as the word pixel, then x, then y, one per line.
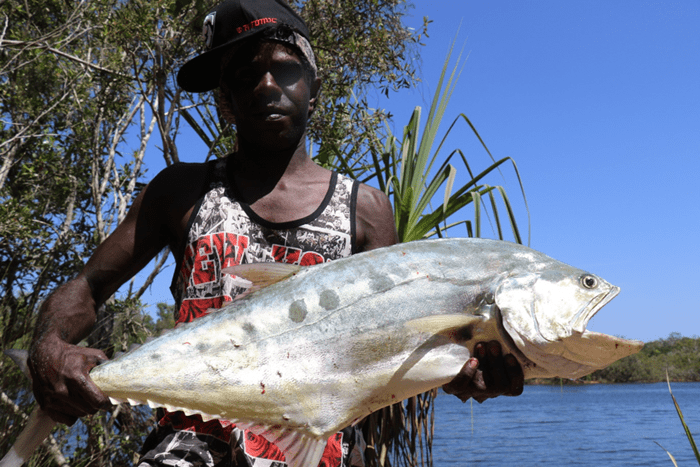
pixel 300 450
pixel 448 325
pixel 20 357
pixel 263 274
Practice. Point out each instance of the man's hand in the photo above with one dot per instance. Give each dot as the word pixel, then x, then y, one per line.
pixel 489 375
pixel 60 379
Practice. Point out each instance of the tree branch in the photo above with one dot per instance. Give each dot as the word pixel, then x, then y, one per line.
pixel 28 44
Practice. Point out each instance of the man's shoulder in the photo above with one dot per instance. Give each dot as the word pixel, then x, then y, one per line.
pixel 176 188
pixel 368 196
pixel 375 219
pixel 182 171
pixel 181 177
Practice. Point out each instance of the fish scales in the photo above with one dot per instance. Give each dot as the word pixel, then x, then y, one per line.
pixel 309 354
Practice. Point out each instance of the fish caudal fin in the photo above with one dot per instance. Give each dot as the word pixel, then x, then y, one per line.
pixel 38 427
pixel 39 424
pixel 300 450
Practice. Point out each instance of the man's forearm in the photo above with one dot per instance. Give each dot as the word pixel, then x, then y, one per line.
pixel 68 313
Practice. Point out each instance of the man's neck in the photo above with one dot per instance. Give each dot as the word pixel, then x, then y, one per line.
pixel 256 174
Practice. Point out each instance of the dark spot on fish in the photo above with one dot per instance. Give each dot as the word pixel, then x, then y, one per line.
pixel 249 328
pixel 297 311
pixel 155 356
pixel 202 346
pixel 461 334
pixel 380 284
pixel 329 300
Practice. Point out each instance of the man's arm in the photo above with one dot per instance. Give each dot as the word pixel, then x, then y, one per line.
pixel 374 220
pixel 59 367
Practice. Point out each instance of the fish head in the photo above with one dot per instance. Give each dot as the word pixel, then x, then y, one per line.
pixel 545 313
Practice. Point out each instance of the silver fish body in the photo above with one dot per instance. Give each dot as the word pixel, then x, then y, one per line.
pixel 303 357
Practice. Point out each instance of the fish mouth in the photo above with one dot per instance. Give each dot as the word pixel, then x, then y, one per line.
pixel 574 356
pixel 581 319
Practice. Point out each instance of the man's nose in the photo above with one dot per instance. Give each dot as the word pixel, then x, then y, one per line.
pixel 267 84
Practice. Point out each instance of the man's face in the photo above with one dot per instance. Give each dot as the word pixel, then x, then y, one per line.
pixel 271 98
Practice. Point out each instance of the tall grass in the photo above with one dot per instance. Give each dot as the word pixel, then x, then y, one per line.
pixel 685 427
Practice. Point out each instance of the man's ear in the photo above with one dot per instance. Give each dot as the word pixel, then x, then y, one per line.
pixel 315 93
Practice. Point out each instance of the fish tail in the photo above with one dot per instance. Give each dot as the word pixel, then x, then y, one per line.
pixel 38 428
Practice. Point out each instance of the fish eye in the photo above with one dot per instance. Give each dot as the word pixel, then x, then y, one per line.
pixel 589 282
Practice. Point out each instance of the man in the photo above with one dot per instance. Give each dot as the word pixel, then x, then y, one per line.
pixel 268 201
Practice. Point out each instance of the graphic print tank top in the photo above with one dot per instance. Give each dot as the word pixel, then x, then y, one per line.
pixel 225 232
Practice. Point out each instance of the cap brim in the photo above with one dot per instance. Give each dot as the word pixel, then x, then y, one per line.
pixel 201 73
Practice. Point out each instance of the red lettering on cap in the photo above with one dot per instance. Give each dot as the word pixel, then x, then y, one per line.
pixel 255 23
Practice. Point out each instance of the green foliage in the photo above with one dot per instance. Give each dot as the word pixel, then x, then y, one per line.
pixel 688 434
pixel 417 174
pixel 361 47
pixel 685 426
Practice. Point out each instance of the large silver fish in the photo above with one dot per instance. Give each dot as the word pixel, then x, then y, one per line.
pixel 313 350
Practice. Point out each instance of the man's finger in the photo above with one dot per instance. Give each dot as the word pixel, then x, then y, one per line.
pixel 498 380
pixel 463 379
pixel 515 374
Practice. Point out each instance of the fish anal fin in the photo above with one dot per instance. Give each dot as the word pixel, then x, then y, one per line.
pixel 455 326
pixel 262 275
pixel 300 450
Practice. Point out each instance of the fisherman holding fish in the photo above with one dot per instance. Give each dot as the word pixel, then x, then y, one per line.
pixel 268 201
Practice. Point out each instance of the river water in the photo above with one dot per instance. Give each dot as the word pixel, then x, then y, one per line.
pixel 592 425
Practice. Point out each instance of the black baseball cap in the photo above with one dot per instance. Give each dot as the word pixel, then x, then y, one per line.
pixel 230 23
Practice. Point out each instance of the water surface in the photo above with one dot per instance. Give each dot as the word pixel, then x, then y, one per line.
pixel 592 425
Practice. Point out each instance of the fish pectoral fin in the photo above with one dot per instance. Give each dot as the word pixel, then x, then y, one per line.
pixel 300 450
pixel 263 274
pixel 598 350
pixel 452 325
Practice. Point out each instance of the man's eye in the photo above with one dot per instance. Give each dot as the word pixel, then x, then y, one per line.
pixel 238 76
pixel 288 74
pixel 243 76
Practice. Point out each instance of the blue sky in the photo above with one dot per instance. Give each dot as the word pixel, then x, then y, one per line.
pixel 598 103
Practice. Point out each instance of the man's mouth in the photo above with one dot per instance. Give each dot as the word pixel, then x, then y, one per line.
pixel 270 114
